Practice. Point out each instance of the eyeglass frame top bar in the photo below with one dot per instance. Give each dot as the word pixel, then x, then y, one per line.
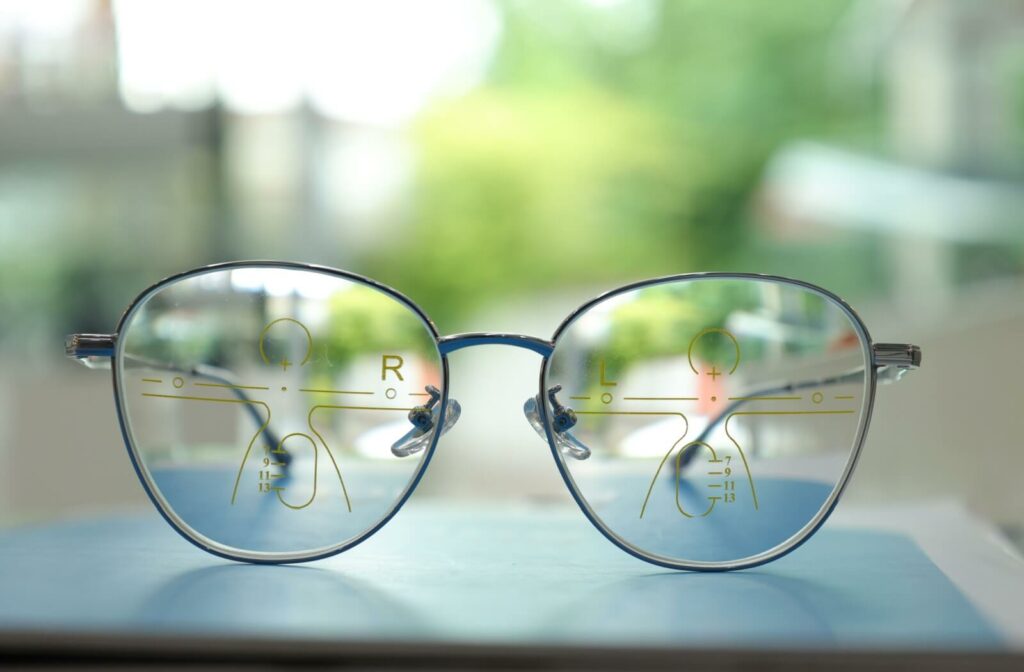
pixel 898 355
pixel 447 344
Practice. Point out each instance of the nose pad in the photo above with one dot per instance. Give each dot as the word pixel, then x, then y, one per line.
pixel 424 418
pixel 564 440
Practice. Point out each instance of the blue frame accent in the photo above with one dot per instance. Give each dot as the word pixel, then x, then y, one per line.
pixel 449 344
pixel 459 341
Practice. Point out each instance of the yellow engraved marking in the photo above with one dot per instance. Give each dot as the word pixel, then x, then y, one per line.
pixel 365 408
pixel 712 330
pixel 232 387
pixel 248 448
pixel 316 465
pixel 662 398
pixel 604 381
pixel 790 413
pixel 580 398
pixel 309 421
pixel 394 368
pixel 679 468
pixel 679 471
pixel 308 389
pixel 418 394
pixel 765 398
pixel 844 396
pixel 743 456
pixel 685 432
pixel 286 363
pixel 654 479
pixel 635 413
pixel 152 380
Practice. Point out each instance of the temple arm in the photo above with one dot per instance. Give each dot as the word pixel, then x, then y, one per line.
pixel 891 360
pixel 97 351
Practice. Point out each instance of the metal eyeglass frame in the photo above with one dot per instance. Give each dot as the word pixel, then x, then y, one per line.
pixel 887 363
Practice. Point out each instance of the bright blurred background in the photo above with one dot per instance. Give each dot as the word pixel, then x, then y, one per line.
pixel 500 161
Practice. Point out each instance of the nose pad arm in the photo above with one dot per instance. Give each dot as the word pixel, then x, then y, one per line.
pixel 566 443
pixel 424 418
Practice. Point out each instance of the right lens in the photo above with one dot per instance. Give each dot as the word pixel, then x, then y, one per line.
pixel 262 404
pixel 722 414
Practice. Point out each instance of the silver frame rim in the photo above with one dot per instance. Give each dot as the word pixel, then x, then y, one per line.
pixel 788 546
pixel 812 526
pixel 167 511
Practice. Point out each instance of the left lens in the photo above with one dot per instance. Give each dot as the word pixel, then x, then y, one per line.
pixel 723 414
pixel 261 405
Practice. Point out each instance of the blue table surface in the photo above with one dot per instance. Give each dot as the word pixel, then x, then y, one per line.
pixel 435 573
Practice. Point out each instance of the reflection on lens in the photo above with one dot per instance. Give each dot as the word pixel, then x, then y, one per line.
pixel 722 414
pixel 263 403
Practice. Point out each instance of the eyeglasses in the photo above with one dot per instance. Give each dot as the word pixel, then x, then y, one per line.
pixel 279 412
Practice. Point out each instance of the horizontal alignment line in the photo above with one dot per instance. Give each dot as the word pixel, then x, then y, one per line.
pixel 765 398
pixel 661 398
pixel 676 413
pixel 844 396
pixel 152 380
pixel 361 408
pixel 307 389
pixel 218 399
pixel 232 387
pixel 580 398
pixel 791 413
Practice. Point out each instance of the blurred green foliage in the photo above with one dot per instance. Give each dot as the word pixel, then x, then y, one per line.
pixel 183 326
pixel 365 321
pixel 662 321
pixel 666 320
pixel 609 141
pixel 613 141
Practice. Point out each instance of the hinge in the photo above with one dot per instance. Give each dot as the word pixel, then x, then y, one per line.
pixel 902 355
pixel 83 346
pixel 893 360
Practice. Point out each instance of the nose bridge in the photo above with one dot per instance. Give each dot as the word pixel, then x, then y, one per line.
pixel 448 344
